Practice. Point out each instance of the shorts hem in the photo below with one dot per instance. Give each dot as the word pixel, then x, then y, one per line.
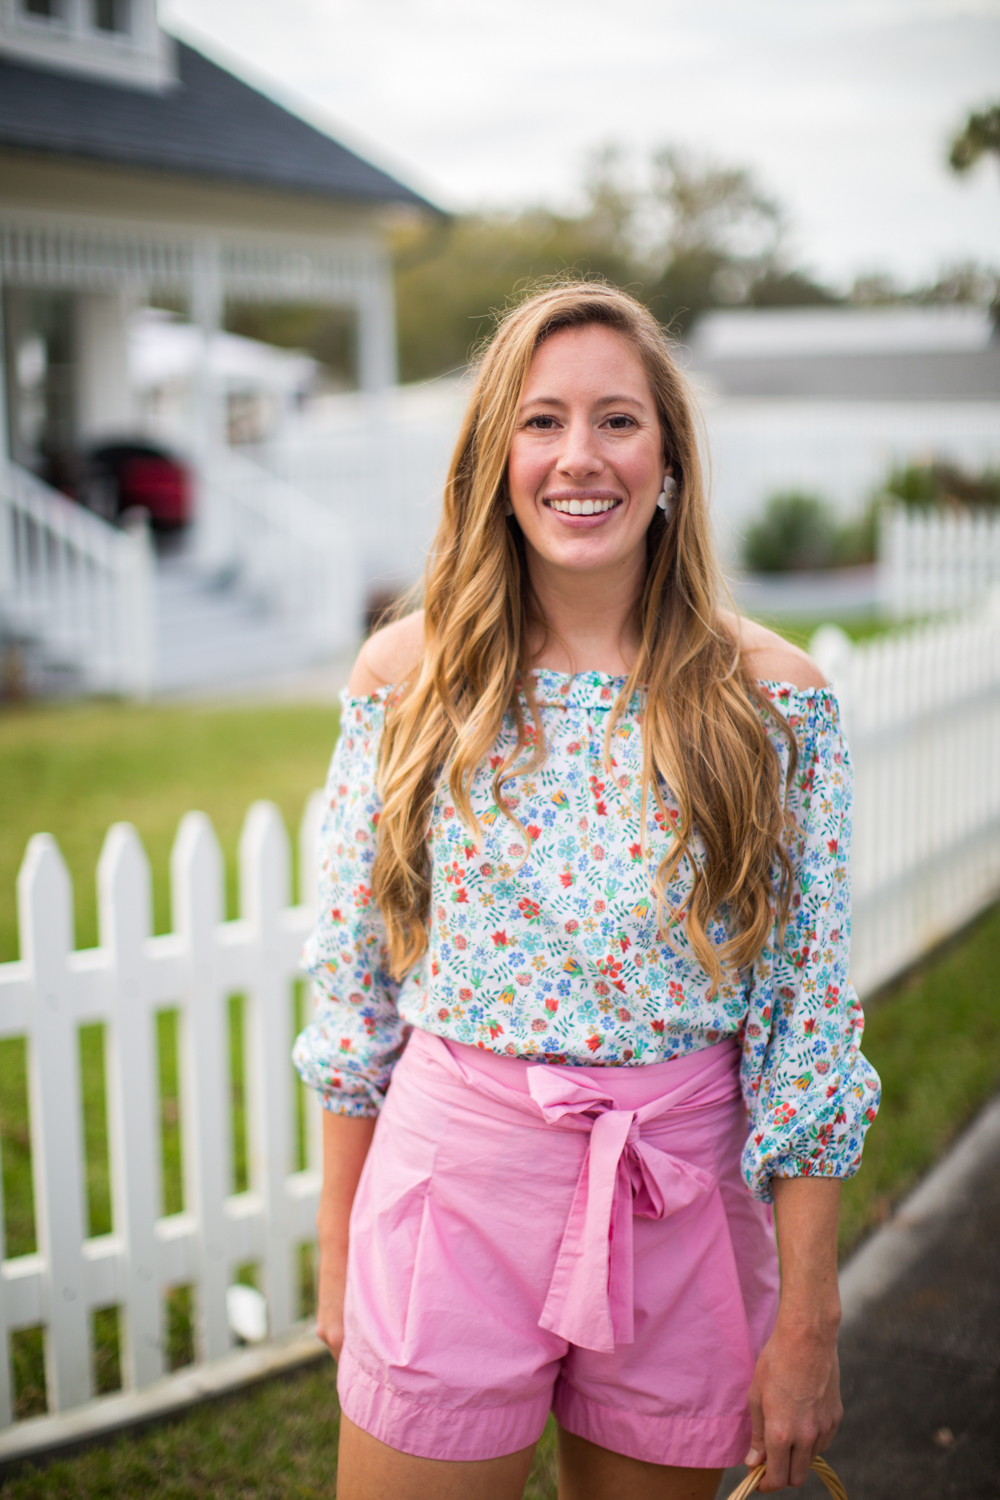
pixel 687 1442
pixel 463 1434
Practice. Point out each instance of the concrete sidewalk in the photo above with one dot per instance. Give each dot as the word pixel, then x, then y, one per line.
pixel 920 1345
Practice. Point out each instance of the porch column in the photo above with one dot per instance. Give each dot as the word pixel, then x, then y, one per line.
pixel 6 519
pixel 212 538
pixel 377 369
pixel 5 356
pixel 105 401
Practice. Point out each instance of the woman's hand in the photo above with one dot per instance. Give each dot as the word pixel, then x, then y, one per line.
pixel 795 1394
pixel 345 1147
pixel 794 1404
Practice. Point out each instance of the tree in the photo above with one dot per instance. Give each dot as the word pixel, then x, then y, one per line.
pixel 681 232
pixel 980 135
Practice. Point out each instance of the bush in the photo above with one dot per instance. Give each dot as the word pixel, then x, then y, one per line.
pixel 796 531
pixel 799 531
pixel 927 485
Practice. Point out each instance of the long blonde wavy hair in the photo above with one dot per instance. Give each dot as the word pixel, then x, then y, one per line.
pixel 704 716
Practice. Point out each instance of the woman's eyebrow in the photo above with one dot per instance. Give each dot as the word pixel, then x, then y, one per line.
pixel 601 401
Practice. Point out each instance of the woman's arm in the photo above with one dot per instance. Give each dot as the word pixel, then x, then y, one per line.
pixel 795 1394
pixel 345 1146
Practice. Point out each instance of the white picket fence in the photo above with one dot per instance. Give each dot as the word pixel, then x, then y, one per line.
pixel 51 992
pixel 76 587
pixel 922 713
pixel 936 561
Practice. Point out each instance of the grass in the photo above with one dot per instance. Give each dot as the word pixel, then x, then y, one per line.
pixel 934 1037
pixel 74 770
pixel 801 631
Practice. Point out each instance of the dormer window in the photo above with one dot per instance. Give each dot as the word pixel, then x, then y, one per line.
pixel 119 41
pixel 111 16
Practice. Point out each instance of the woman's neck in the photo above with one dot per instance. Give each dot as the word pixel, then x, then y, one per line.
pixel 589 620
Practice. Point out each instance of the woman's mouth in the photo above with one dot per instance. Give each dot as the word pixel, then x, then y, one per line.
pixel 588 507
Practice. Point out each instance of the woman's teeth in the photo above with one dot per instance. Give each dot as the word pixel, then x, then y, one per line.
pixel 583 507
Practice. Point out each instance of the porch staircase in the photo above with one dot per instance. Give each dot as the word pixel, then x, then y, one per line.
pixel 210 636
pixel 270 588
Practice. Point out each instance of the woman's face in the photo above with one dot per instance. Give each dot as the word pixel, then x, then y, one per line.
pixel 586 463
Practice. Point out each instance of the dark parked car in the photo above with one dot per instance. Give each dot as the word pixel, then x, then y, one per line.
pixel 122 476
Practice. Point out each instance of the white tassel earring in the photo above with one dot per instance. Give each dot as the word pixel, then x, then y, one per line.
pixel 665 498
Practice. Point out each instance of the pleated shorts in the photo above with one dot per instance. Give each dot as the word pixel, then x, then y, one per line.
pixel 528 1238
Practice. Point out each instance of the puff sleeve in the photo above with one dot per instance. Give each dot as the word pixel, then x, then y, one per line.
pixel 348 1050
pixel 809 1091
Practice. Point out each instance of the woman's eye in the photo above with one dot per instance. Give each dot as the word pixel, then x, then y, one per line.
pixel 620 422
pixel 541 424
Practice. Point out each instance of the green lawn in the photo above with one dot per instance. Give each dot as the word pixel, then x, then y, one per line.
pixel 801 631
pixel 935 1039
pixel 73 771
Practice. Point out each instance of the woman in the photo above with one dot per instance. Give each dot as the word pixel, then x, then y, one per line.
pixel 579 816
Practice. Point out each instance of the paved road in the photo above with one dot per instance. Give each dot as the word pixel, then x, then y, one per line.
pixel 921 1369
pixel 920 1360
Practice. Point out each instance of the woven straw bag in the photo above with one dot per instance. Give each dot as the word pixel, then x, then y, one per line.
pixel 819 1466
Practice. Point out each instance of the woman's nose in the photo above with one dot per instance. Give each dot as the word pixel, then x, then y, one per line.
pixel 579 451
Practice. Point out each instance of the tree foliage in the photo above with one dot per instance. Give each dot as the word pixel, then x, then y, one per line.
pixel 681 232
pixel 939 484
pixel 980 136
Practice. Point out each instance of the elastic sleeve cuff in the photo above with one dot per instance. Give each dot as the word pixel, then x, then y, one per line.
pixel 348 1106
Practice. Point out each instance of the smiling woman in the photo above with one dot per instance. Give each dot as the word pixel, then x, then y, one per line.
pixel 584 903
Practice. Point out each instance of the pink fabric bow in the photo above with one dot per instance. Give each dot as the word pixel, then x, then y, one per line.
pixel 590 1297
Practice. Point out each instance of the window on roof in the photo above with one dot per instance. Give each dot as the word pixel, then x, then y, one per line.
pixel 44 10
pixel 112 16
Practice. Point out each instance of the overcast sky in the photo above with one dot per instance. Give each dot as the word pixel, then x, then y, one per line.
pixel 842 107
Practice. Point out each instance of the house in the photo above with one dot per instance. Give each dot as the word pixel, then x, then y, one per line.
pixel 827 399
pixel 132 167
pixel 136 171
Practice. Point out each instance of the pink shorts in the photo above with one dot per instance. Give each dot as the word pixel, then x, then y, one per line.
pixel 531 1238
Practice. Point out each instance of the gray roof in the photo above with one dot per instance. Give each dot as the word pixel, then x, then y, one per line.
pixel 895 353
pixel 210 124
pixel 969 375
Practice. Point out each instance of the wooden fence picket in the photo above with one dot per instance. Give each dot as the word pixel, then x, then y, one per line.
pixel 125 925
pixel 45 909
pixel 264 895
pixel 198 888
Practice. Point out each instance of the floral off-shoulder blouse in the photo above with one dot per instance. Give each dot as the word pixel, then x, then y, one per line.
pixel 545 945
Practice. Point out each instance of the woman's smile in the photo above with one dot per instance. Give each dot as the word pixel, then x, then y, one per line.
pixel 583 506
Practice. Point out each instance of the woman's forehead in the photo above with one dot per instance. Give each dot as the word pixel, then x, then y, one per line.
pixel 592 359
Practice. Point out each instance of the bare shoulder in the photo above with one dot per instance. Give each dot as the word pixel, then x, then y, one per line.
pixel 388 656
pixel 771 658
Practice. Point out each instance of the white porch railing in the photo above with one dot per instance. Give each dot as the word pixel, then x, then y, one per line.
pixel 75 586
pixel 296 556
pixel 50 993
pixel 922 714
pixel 936 561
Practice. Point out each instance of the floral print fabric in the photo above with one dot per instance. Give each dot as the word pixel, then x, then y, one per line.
pixel 544 944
